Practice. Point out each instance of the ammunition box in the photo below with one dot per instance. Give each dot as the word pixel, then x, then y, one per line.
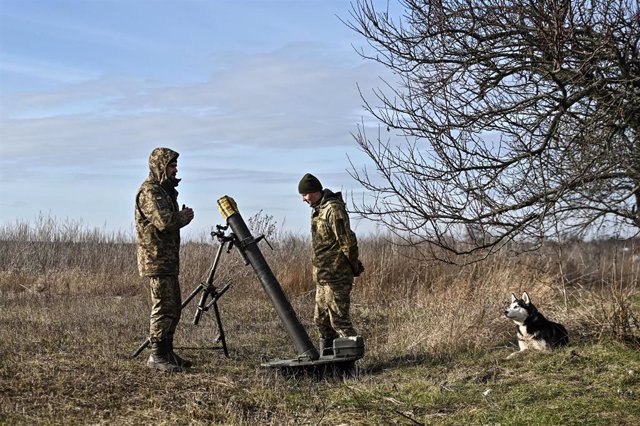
pixel 348 347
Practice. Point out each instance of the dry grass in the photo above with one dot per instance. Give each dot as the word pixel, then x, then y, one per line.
pixel 73 308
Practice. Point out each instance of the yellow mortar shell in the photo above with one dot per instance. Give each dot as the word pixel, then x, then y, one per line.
pixel 227 207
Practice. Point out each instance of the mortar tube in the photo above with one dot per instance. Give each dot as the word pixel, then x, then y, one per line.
pixel 253 255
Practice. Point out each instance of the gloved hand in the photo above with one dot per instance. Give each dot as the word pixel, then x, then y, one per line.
pixel 186 215
pixel 359 269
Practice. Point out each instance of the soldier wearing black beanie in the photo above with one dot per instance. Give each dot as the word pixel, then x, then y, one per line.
pixel 309 184
pixel 335 261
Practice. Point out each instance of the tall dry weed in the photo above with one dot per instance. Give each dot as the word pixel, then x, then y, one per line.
pixel 403 306
pixel 605 290
pixel 458 308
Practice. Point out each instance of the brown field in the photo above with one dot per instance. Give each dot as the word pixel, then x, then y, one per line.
pixel 73 309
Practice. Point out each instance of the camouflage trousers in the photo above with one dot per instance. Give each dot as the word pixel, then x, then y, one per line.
pixel 331 315
pixel 166 307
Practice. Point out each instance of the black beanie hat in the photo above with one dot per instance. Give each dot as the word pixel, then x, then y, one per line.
pixel 308 184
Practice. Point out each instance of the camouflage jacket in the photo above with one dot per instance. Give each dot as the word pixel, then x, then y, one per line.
pixel 158 219
pixel 335 247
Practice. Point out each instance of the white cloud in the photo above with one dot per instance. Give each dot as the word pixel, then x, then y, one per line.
pixel 251 130
pixel 44 70
pixel 281 99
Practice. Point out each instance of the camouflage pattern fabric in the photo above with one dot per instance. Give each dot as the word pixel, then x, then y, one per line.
pixel 158 218
pixel 332 310
pixel 335 247
pixel 335 263
pixel 166 307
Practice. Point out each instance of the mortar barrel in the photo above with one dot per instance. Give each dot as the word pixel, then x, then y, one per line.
pixel 247 244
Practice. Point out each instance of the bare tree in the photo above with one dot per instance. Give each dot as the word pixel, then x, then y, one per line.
pixel 506 120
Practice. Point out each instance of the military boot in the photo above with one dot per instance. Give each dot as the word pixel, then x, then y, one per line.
pixel 161 359
pixel 326 346
pixel 182 362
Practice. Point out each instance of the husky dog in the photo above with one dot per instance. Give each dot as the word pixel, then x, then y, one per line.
pixel 534 330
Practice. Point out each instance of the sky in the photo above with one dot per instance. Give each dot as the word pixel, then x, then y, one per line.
pixel 252 94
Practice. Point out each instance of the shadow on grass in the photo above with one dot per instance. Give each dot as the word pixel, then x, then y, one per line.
pixel 317 373
pixel 402 361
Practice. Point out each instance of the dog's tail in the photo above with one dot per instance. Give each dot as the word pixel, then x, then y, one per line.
pixel 560 336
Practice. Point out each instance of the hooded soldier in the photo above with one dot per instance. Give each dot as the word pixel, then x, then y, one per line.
pixel 158 222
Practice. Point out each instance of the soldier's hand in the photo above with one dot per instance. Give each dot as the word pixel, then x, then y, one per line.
pixel 187 213
pixel 358 270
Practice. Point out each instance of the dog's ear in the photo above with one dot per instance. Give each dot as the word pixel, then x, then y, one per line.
pixel 525 298
pixel 513 297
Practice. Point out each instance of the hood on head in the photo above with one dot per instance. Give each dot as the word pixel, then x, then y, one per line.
pixel 158 161
pixel 328 195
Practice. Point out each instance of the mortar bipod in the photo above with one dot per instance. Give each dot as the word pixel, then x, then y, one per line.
pixel 208 289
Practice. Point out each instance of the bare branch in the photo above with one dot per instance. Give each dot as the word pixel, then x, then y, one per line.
pixel 515 118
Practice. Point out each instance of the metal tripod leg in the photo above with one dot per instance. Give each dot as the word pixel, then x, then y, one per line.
pixel 208 288
pixel 214 303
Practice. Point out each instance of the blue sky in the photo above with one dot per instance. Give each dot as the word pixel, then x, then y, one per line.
pixel 252 94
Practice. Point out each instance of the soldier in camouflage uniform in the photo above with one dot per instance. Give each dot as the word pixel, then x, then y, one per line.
pixel 158 223
pixel 335 261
